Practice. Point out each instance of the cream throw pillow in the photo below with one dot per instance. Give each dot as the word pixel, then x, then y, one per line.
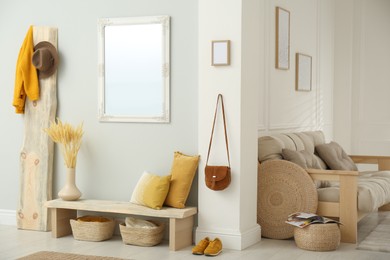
pixel 151 190
pixel 183 172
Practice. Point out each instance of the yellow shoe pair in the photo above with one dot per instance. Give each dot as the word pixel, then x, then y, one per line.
pixel 207 247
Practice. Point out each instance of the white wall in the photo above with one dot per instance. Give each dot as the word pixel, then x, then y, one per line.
pixel 282 108
pixel 113 155
pixel 230 214
pixel 343 73
pixel 361 93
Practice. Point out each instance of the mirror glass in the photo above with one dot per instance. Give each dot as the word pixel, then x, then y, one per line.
pixel 134 69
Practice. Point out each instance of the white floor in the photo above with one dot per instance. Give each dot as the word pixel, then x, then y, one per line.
pixel 16 243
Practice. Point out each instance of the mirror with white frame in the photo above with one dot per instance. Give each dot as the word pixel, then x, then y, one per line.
pixel 134 69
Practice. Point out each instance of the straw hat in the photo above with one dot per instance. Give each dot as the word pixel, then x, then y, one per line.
pixel 45 59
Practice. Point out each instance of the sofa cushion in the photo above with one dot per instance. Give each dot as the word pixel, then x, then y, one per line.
pixel 303 158
pixel 307 142
pixel 335 157
pixel 270 147
pixel 306 160
pixel 373 191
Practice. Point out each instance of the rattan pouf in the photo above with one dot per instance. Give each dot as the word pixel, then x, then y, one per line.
pixel 318 237
pixel 283 188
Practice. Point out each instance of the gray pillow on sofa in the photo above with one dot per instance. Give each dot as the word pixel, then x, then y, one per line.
pixel 303 158
pixel 306 160
pixel 335 157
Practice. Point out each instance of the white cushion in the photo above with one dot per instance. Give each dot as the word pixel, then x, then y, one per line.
pixel 373 191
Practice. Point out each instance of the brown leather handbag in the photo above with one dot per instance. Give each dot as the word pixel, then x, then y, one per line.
pixel 218 177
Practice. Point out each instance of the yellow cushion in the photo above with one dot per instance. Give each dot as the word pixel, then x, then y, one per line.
pixel 151 190
pixel 183 172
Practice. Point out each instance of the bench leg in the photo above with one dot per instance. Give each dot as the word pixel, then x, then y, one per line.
pixel 180 232
pixel 60 221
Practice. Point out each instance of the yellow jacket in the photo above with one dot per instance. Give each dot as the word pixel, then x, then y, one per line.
pixel 26 79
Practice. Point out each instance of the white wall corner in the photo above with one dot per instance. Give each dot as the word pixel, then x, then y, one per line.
pixel 7 217
pixel 235 240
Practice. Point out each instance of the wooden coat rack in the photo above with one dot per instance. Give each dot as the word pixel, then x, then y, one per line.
pixel 36 156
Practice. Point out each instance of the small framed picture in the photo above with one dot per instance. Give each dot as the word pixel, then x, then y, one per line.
pixel 282 48
pixel 302 72
pixel 220 53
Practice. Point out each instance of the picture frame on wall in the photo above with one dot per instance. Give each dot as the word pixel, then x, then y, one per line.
pixel 282 48
pixel 220 53
pixel 303 72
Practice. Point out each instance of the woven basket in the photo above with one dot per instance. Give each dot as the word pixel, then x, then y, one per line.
pixel 91 228
pixel 318 237
pixel 142 236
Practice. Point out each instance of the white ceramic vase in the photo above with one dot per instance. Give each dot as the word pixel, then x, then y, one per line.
pixel 70 190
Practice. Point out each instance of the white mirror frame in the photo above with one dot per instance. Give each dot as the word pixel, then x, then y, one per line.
pixel 163 105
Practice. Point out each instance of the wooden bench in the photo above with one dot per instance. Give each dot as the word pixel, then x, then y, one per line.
pixel 181 221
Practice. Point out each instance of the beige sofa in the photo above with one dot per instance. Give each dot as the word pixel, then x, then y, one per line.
pixel 305 182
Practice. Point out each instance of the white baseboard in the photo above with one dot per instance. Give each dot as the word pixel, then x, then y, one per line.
pixel 231 240
pixel 8 217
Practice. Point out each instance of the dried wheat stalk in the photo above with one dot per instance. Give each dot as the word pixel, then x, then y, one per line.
pixel 69 139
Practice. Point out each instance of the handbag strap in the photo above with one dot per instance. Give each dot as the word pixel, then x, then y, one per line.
pixel 224 126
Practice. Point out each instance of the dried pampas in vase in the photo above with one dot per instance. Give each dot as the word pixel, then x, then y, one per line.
pixel 69 139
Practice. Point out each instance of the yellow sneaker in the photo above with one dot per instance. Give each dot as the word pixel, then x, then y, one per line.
pixel 214 248
pixel 201 246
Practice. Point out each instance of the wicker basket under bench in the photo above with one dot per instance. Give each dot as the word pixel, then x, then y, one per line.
pixel 181 221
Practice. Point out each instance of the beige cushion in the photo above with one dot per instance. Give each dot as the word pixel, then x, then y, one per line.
pixel 303 158
pixel 307 141
pixel 321 162
pixel 313 139
pixel 373 191
pixel 335 157
pixel 306 160
pixel 270 147
pixel 298 143
pixel 318 137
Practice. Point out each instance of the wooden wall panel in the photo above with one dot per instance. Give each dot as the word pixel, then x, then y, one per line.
pixel 36 156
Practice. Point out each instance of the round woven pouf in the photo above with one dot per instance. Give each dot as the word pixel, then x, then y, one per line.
pixel 318 237
pixel 283 188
